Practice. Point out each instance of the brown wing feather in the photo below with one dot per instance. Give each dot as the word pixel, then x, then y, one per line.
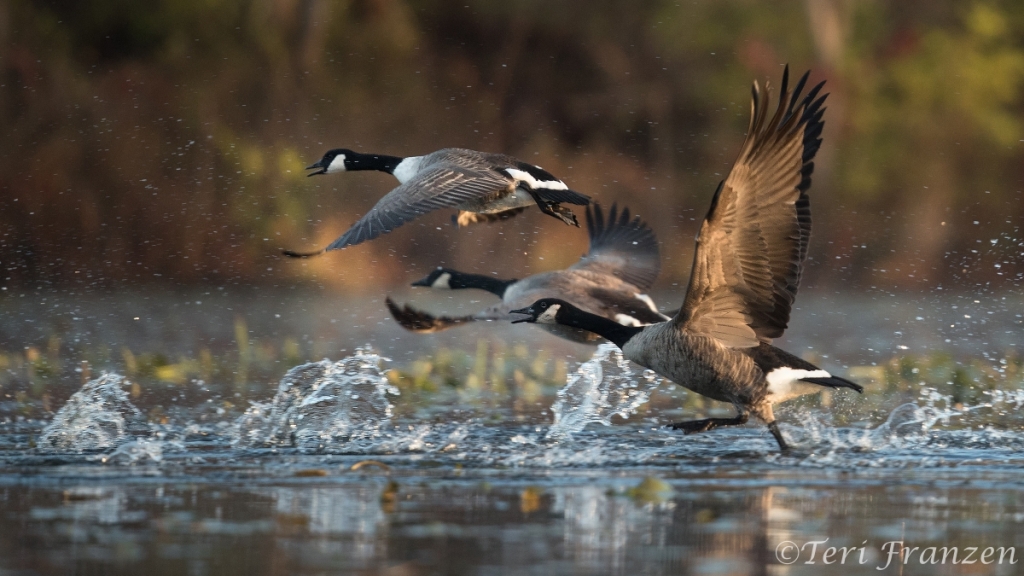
pixel 753 242
pixel 621 246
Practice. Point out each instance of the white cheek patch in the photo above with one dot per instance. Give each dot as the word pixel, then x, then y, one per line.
pixel 337 165
pixel 548 317
pixel 529 180
pixel 442 282
pixel 784 382
pixel 407 169
pixel 627 320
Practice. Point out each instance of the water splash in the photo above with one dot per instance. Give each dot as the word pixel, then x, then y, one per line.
pixel 320 403
pixel 343 407
pixel 594 394
pixel 927 428
pixel 96 417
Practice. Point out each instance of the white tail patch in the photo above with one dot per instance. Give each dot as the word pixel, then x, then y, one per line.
pixel 529 180
pixel 784 383
pixel 407 169
pixel 627 320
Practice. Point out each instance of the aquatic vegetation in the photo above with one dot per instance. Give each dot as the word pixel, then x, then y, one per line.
pixel 494 376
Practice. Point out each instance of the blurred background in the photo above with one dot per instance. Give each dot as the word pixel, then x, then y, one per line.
pixel 152 169
pixel 163 143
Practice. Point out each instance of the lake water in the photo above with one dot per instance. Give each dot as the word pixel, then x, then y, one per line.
pixel 310 466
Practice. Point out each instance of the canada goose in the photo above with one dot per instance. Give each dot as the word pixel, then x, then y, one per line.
pixel 609 280
pixel 748 262
pixel 484 187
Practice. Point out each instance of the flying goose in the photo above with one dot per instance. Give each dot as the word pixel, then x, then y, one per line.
pixel 483 187
pixel 749 258
pixel 609 280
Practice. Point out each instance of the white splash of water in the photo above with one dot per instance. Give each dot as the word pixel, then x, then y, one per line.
pixel 320 403
pixel 912 426
pixel 98 416
pixel 595 394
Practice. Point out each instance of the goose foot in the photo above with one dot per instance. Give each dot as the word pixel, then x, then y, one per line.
pixel 773 427
pixel 555 209
pixel 696 426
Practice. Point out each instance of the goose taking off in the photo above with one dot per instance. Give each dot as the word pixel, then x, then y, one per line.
pixel 609 281
pixel 750 254
pixel 483 187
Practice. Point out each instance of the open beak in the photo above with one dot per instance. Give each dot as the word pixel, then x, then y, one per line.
pixel 524 311
pixel 319 165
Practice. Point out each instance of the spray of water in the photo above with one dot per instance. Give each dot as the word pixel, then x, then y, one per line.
pixel 344 407
pixel 594 394
pixel 934 422
pixel 99 416
pixel 322 403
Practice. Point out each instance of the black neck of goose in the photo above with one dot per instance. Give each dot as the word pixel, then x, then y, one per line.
pixel 608 329
pixel 379 162
pixel 460 280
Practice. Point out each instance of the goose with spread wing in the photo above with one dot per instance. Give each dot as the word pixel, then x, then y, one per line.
pixel 484 187
pixel 610 281
pixel 750 254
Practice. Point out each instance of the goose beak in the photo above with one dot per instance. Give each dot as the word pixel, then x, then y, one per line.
pixel 425 282
pixel 524 311
pixel 318 165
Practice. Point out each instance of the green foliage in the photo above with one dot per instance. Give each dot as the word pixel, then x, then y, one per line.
pixel 945 95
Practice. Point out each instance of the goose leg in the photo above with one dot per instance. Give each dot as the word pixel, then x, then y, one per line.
pixel 555 209
pixel 695 426
pixel 773 427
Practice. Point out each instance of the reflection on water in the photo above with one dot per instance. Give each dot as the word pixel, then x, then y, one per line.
pixel 347 524
pixel 725 522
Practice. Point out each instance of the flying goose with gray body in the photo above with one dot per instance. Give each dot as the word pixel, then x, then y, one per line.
pixel 749 258
pixel 483 187
pixel 610 280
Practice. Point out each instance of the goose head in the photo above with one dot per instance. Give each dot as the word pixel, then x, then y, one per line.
pixel 439 279
pixel 543 311
pixel 335 160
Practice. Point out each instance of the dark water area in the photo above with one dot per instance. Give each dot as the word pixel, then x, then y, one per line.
pixel 255 513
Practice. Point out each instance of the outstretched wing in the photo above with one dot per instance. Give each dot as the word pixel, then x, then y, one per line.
pixel 753 241
pixel 622 247
pixel 444 186
pixel 416 320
